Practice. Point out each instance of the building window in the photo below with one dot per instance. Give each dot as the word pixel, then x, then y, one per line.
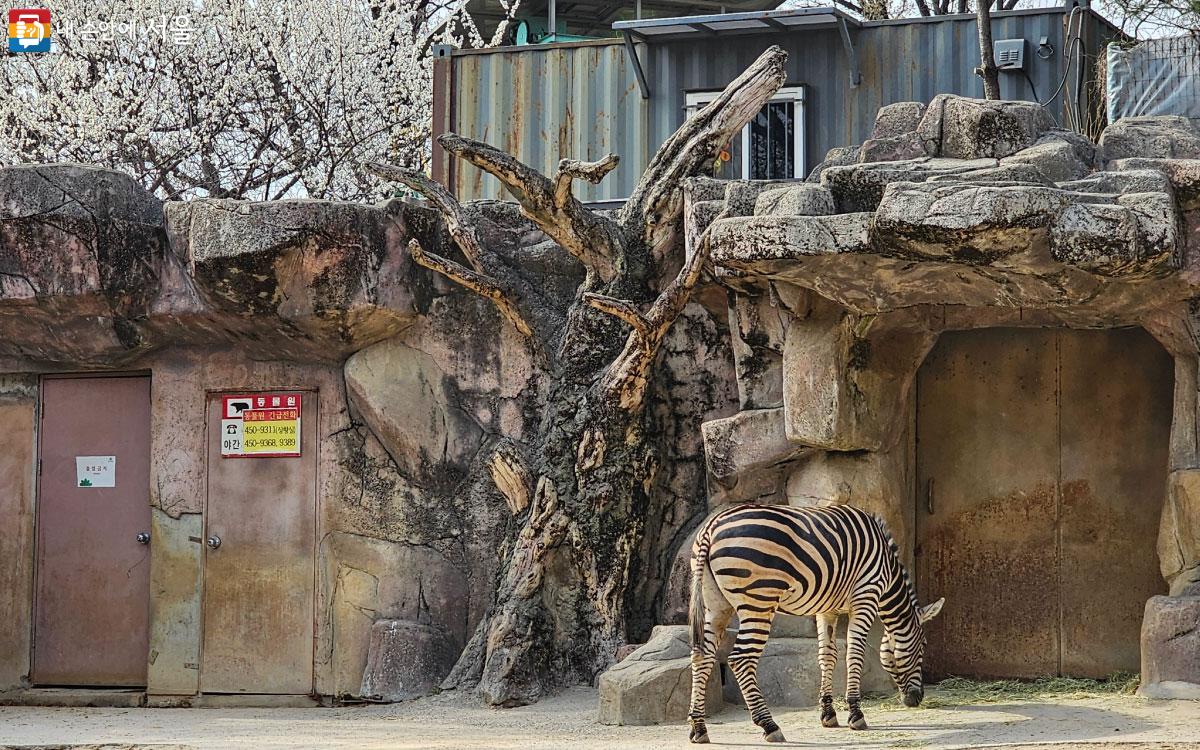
pixel 771 147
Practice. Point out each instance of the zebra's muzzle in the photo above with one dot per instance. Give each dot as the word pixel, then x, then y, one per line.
pixel 912 698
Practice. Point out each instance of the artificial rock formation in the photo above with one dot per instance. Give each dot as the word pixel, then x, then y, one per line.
pixel 957 215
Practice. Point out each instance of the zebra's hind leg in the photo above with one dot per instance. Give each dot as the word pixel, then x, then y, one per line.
pixel 754 627
pixel 856 650
pixel 717 612
pixel 827 658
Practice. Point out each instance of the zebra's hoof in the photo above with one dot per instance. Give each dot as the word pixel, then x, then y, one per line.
pixel 699 739
pixel 776 736
pixel 830 721
pixel 859 723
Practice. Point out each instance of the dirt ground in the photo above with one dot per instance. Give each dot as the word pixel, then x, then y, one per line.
pixel 569 721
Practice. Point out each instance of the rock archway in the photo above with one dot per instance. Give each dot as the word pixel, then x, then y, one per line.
pixel 841 285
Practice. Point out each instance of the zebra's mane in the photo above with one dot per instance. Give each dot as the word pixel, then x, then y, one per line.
pixel 908 584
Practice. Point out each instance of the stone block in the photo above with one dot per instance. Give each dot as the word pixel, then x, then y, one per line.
pixel 1179 527
pixel 747 442
pixel 894 148
pixel 980 128
pixel 1054 157
pixel 897 119
pixel 653 685
pixel 818 397
pixel 1152 137
pixel 870 481
pixel 835 157
pixel 747 241
pixel 757 326
pixel 406 660
pixel 790 675
pixel 800 199
pixel 1171 647
pixel 860 187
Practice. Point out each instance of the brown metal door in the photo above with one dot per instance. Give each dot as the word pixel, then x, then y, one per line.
pixel 988 443
pixel 1117 390
pixel 1046 454
pixel 258 583
pixel 91 620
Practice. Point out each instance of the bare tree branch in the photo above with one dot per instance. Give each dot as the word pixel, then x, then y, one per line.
pixel 461 232
pixel 570 169
pixel 481 284
pixel 591 238
pixel 626 378
pixel 621 309
pixel 652 211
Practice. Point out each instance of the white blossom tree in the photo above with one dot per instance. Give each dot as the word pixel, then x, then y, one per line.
pixel 225 98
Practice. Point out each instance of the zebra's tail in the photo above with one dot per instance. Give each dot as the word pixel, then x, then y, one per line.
pixel 699 568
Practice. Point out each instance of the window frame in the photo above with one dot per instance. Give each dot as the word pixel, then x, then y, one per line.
pixel 796 94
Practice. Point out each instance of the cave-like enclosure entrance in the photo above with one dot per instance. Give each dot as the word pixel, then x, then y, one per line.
pixel 1041 469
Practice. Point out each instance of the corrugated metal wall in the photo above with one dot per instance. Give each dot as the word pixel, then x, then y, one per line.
pixel 545 104
pixel 582 101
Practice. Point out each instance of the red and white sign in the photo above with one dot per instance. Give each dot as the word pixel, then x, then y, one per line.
pixel 261 425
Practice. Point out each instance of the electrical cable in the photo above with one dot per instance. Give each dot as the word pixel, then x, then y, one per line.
pixel 1071 45
pixel 1032 86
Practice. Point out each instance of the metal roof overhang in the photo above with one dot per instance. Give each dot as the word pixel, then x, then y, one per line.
pixel 600 13
pixel 751 22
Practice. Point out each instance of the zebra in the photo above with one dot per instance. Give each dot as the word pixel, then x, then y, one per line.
pixel 758 560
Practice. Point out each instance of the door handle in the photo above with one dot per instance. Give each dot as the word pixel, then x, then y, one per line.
pixel 929 496
pixel 143 537
pixel 214 541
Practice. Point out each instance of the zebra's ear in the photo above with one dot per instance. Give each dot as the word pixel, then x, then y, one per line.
pixel 930 611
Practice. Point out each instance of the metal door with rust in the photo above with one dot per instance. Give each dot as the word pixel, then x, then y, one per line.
pixel 1041 471
pixel 260 563
pixel 91 606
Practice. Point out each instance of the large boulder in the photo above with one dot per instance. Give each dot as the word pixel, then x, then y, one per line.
pixel 1058 158
pixel 653 685
pixel 964 128
pixel 897 119
pixel 320 277
pixel 1152 137
pixel 790 675
pixel 798 199
pixel 982 223
pixel 406 660
pixel 415 409
pixel 859 187
pixel 81 253
pixel 1171 648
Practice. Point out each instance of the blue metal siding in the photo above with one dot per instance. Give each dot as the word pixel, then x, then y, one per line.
pixel 583 101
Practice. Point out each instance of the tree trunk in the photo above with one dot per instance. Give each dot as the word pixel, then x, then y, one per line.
pixel 582 489
pixel 987 67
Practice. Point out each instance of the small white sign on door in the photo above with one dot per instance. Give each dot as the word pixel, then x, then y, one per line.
pixel 95 471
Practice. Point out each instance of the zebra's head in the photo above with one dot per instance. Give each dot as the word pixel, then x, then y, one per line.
pixel 902 652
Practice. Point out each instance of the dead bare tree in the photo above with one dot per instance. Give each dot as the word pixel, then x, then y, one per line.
pixel 581 490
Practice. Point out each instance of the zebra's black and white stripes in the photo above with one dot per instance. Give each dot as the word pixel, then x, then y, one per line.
pixel 759 560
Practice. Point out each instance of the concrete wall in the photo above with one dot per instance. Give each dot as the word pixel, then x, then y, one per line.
pixel 18 467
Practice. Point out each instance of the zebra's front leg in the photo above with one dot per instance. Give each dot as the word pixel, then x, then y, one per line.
pixel 861 619
pixel 754 628
pixel 827 658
